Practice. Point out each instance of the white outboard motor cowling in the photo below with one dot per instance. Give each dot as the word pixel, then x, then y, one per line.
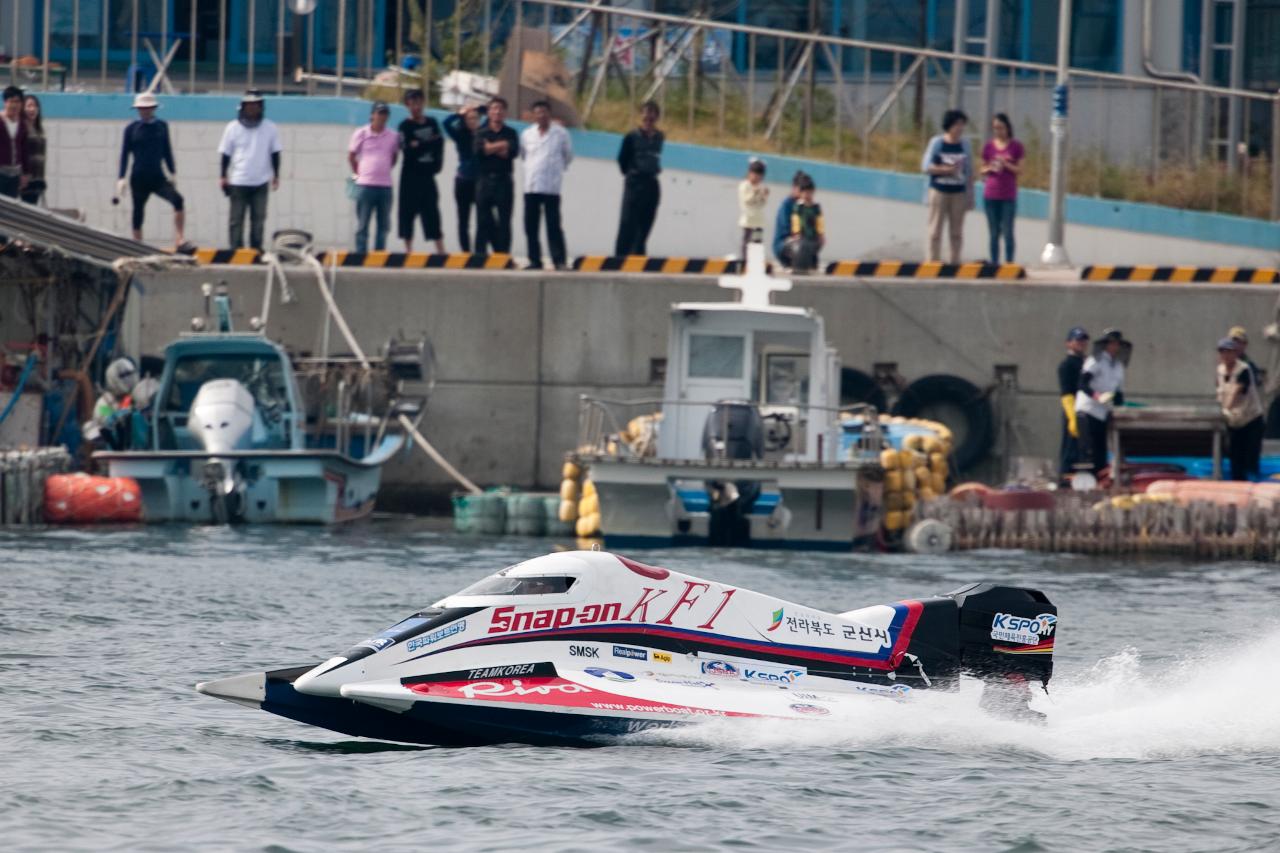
pixel 222 416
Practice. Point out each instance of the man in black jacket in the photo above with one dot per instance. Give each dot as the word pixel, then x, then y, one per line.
pixel 497 147
pixel 640 159
pixel 423 148
pixel 1068 384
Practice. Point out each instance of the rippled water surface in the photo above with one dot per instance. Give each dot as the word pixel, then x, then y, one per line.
pixel 1163 732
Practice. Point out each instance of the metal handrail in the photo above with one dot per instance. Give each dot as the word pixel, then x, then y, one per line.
pixel 906 50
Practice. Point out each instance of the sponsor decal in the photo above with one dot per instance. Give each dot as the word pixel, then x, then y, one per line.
pixel 676 678
pixel 897 691
pixel 585 651
pixel 630 653
pixel 810 710
pixel 720 669
pixel 378 643
pixel 661 657
pixel 777 619
pixel 489 672
pixel 512 618
pixel 609 674
pixel 1009 628
pixel 772 675
pixel 436 636
pixel 867 634
pixel 515 687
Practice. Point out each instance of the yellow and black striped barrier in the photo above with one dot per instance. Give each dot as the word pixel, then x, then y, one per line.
pixel 644 263
pixel 1183 275
pixel 372 260
pixel 927 269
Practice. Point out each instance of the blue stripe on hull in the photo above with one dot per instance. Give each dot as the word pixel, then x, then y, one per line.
pixel 442 724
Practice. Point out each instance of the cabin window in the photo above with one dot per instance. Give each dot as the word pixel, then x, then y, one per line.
pixel 263 376
pixel 786 379
pixel 498 585
pixel 716 356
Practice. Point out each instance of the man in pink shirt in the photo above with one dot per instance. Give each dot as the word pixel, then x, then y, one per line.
pixel 372 154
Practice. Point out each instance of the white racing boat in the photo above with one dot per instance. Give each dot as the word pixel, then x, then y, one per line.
pixel 582 647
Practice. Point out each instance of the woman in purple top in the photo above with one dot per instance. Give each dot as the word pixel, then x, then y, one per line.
pixel 1001 163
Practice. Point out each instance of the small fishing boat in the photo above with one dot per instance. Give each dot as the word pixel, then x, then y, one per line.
pixel 239 431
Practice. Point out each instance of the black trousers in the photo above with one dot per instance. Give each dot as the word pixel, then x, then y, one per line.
pixel 495 196
pixel 1096 438
pixel 535 204
pixel 640 197
pixel 419 201
pixel 1069 449
pixel 464 197
pixel 1245 449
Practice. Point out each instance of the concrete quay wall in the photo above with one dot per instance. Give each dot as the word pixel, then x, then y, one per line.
pixel 515 349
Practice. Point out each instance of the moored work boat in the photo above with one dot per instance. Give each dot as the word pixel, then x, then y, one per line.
pixel 240 431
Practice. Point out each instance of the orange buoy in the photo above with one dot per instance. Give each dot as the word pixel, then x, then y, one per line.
pixel 83 499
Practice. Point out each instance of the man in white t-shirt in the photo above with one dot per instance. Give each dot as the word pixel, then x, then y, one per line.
pixel 250 151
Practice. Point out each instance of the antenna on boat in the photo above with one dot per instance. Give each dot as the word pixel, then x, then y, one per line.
pixel 755 284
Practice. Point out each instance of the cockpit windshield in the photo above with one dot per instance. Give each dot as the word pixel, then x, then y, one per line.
pixel 500 585
pixel 262 375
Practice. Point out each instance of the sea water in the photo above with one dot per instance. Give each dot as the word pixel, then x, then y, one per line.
pixel 1163 727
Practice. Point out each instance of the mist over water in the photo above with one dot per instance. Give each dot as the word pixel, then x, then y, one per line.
pixel 1162 723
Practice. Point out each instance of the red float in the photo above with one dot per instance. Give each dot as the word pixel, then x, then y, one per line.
pixel 84 499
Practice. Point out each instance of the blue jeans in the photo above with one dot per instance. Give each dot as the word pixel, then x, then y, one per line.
pixel 1000 216
pixel 371 200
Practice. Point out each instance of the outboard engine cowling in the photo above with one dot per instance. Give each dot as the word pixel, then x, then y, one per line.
pixel 222 416
pixel 1006 632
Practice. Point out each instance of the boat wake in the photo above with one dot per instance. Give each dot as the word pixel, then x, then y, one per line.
pixel 1219 701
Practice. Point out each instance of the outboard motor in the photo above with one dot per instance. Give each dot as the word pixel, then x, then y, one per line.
pixel 733 430
pixel 224 418
pixel 1006 639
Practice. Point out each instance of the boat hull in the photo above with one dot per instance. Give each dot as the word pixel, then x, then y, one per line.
pixel 288 487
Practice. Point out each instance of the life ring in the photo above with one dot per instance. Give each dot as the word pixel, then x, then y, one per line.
pixel 858 387
pixel 957 403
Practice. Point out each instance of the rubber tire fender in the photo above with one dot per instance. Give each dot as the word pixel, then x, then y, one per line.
pixel 940 388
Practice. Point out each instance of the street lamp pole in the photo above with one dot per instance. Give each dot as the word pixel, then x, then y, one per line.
pixel 1055 251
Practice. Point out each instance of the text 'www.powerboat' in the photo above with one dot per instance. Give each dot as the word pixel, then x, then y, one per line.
pixel 582 647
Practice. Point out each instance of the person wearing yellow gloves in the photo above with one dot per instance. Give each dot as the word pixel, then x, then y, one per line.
pixel 1068 384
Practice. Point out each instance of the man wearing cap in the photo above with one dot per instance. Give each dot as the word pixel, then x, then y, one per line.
pixel 423 146
pixel 146 140
pixel 1101 388
pixel 1237 391
pixel 372 155
pixel 1069 370
pixel 250 151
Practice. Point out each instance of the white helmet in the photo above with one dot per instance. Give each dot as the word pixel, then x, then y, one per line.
pixel 122 375
pixel 145 100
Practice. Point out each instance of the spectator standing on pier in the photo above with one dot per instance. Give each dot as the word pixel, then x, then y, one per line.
pixel 13 144
pixel 1241 336
pixel 546 151
pixel 1101 389
pixel 423 147
pixel 640 159
pixel 1001 164
pixel 146 140
pixel 461 128
pixel 782 223
pixel 948 161
pixel 250 167
pixel 37 148
pixel 1069 370
pixel 372 155
pixel 753 195
pixel 497 147
pixel 1238 394
pixel 808 233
